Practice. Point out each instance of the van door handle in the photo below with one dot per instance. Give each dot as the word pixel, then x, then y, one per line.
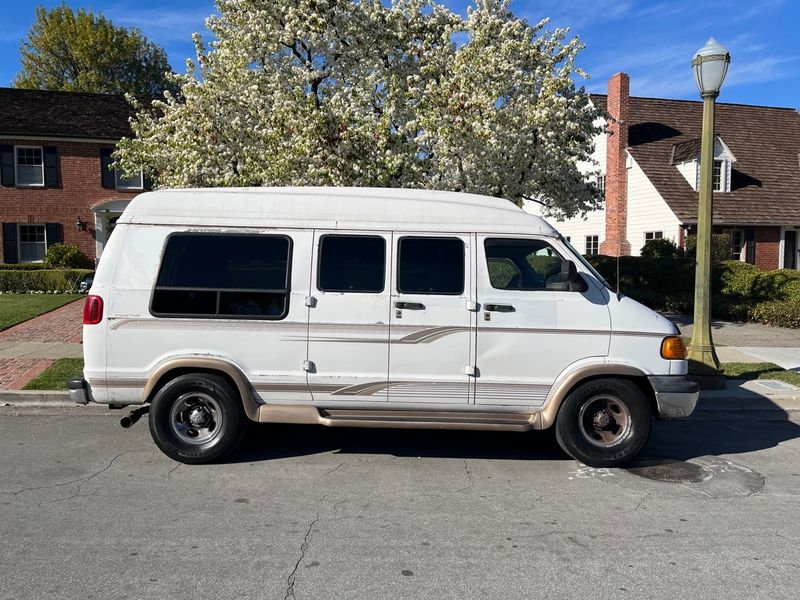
pixel 500 307
pixel 409 305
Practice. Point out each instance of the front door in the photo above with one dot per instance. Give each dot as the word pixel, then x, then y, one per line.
pixel 530 328
pixel 431 346
pixel 348 329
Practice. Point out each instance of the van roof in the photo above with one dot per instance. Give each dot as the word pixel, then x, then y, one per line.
pixel 333 208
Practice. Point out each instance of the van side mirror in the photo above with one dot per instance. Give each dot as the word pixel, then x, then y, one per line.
pixel 571 278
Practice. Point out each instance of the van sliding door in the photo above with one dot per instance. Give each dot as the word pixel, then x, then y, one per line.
pixel 432 332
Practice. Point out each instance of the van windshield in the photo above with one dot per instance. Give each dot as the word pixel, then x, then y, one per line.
pixel 584 262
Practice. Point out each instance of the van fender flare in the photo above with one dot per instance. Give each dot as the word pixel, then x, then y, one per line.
pixel 206 363
pixel 575 374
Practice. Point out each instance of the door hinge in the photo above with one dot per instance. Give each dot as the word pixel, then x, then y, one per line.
pixel 308 366
pixel 472 306
pixel 311 302
pixel 470 370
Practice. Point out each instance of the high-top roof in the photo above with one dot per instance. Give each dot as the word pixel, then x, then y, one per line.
pixel 51 114
pixel 333 208
pixel 765 179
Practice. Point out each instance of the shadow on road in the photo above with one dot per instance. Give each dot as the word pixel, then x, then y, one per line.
pixel 265 442
pixel 681 440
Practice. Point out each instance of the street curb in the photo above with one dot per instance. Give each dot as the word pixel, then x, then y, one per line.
pixel 35 398
pixel 717 406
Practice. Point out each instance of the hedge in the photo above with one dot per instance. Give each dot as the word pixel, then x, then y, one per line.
pixel 741 292
pixel 20 281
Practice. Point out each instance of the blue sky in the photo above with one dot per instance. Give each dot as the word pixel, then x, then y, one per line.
pixel 653 41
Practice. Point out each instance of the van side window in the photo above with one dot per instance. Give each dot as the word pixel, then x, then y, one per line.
pixel 520 264
pixel 224 276
pixel 430 266
pixel 351 263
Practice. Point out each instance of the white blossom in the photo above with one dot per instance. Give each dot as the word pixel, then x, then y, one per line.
pixel 344 92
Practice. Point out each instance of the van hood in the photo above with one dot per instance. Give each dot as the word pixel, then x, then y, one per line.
pixel 629 315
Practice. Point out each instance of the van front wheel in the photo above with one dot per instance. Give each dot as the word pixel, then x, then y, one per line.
pixel 197 418
pixel 604 422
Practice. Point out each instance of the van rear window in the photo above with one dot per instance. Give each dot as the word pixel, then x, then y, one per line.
pixel 223 276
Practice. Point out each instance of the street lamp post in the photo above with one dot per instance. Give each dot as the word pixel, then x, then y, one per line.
pixel 710 66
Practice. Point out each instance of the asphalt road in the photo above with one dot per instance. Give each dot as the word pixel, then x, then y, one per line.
pixel 88 510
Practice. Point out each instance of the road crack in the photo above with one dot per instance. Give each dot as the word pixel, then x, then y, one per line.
pixel 81 481
pixel 470 480
pixel 292 579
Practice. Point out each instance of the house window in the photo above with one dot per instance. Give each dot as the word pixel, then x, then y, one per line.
pixel 29 166
pixel 717 175
pixel 600 184
pixel 592 244
pixel 32 243
pixel 128 183
pixel 653 235
pixel 736 237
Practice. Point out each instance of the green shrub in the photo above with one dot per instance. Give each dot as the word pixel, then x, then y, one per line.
pixel 66 256
pixel 42 281
pixel 779 313
pixel 662 247
pixel 741 292
pixel 23 267
pixel 720 247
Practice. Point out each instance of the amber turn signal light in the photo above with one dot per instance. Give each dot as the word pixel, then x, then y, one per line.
pixel 673 348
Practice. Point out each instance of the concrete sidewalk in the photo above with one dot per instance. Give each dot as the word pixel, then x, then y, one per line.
pixel 31 347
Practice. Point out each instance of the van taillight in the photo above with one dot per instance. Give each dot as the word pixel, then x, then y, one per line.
pixel 92 310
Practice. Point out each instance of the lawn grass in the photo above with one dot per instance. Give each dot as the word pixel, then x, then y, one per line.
pixel 16 308
pixel 57 375
pixel 760 371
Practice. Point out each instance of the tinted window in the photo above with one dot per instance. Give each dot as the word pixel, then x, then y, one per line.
pixel 431 266
pixel 224 276
pixel 351 263
pixel 516 264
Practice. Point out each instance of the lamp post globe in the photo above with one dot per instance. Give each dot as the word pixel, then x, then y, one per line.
pixel 710 65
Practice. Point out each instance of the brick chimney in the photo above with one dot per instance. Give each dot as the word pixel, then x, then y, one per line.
pixel 618 108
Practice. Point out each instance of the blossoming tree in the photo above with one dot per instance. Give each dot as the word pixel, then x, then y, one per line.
pixel 344 92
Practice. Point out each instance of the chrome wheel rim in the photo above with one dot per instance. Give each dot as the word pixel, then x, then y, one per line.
pixel 196 418
pixel 604 421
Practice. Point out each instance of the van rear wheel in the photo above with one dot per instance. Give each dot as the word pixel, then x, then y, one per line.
pixel 197 418
pixel 604 422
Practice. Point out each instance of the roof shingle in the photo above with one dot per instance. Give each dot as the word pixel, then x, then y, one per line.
pixel 52 114
pixel 765 180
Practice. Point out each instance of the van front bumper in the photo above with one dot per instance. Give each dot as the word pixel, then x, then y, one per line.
pixel 676 396
pixel 79 391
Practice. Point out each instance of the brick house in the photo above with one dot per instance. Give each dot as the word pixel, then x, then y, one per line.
pixel 649 169
pixel 55 185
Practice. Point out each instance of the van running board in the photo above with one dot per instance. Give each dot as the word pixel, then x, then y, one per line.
pixel 404 419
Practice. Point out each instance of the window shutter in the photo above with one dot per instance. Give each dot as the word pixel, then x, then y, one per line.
pixel 147 182
pixel 10 243
pixel 106 173
pixel 50 166
pixel 53 234
pixel 7 162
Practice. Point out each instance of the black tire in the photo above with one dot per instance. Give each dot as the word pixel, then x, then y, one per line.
pixel 197 418
pixel 604 422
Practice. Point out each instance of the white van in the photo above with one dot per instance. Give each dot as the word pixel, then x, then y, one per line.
pixel 368 307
